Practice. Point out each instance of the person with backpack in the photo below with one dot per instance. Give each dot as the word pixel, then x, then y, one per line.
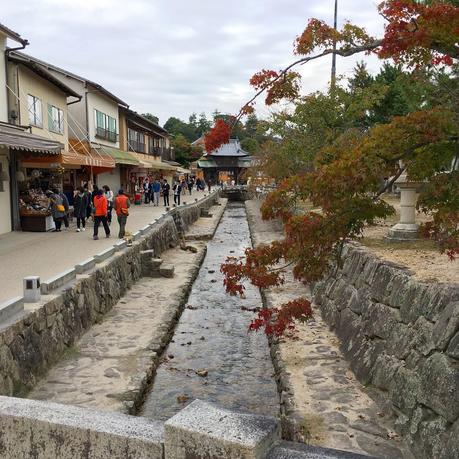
pixel 122 205
pixel 56 205
pixel 65 202
pixel 166 188
pixel 100 214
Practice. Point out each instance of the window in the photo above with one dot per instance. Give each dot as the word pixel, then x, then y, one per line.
pixel 35 111
pixel 136 141
pixel 105 127
pixel 55 119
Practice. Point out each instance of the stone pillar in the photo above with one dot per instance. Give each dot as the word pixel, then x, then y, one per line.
pixel 407 228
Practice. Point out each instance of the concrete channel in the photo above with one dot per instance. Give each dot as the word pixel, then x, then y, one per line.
pixel 156 347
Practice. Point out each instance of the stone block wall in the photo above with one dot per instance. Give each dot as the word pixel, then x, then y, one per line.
pixel 401 337
pixel 39 338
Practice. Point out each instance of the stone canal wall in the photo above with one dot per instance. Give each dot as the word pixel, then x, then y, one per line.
pixel 401 337
pixel 38 338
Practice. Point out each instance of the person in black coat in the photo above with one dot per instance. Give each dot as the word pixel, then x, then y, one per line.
pixel 166 188
pixel 81 202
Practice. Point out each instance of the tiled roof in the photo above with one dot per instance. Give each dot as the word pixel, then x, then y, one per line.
pixel 232 148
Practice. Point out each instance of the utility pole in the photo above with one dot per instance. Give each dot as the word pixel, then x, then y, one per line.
pixel 333 69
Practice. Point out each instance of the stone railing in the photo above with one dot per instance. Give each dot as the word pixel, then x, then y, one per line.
pixel 401 337
pixel 30 428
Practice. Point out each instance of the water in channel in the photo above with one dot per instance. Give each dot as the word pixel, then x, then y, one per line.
pixel 212 336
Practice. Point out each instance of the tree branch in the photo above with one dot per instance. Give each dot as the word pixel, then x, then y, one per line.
pixel 389 183
pixel 344 52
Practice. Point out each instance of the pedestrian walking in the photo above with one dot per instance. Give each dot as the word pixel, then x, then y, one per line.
pixel 100 214
pixel 146 192
pixel 150 192
pixel 80 206
pixel 166 188
pixel 190 185
pixel 209 185
pixel 156 192
pixel 65 201
pixel 56 205
pixel 108 193
pixel 93 194
pixel 122 205
pixel 177 192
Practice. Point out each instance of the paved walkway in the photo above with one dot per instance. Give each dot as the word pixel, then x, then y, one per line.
pixel 47 254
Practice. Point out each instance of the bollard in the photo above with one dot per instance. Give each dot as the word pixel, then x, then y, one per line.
pixel 168 209
pixel 32 292
pixel 195 199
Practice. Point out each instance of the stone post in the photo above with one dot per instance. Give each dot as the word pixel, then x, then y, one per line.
pixel 407 228
pixel 32 292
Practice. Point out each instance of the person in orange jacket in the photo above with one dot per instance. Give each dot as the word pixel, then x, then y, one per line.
pixel 100 214
pixel 122 205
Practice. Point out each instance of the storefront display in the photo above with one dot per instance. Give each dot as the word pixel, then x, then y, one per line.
pixel 34 211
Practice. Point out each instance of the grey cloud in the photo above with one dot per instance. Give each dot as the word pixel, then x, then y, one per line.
pixel 172 57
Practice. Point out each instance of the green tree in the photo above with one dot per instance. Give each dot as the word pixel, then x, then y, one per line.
pixel 176 126
pixel 250 145
pixel 151 117
pixel 203 125
pixel 182 149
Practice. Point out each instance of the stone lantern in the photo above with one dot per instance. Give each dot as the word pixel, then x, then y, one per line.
pixel 407 228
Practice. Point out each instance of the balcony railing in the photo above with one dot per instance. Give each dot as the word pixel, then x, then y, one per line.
pixel 155 151
pixel 102 133
pixel 168 154
pixel 136 146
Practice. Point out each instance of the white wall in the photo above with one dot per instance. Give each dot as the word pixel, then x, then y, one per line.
pixel 77 111
pixel 98 101
pixel 31 83
pixel 3 90
pixel 112 179
pixel 5 207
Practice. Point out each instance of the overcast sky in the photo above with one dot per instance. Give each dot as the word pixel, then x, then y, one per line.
pixel 174 57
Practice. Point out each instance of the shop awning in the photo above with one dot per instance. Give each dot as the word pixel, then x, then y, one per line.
pixel 182 170
pixel 16 138
pixel 148 162
pixel 93 157
pixel 121 156
pixel 70 159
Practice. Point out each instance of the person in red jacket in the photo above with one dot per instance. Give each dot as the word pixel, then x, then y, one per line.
pixel 122 205
pixel 100 214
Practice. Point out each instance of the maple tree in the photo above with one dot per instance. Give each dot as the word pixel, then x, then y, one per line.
pixel 343 170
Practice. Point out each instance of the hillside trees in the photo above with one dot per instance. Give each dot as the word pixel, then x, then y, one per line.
pixel 349 140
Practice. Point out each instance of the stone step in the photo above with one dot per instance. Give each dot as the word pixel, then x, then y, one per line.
pixel 156 263
pixel 166 270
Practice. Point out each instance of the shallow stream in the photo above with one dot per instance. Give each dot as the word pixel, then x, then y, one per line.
pixel 212 356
